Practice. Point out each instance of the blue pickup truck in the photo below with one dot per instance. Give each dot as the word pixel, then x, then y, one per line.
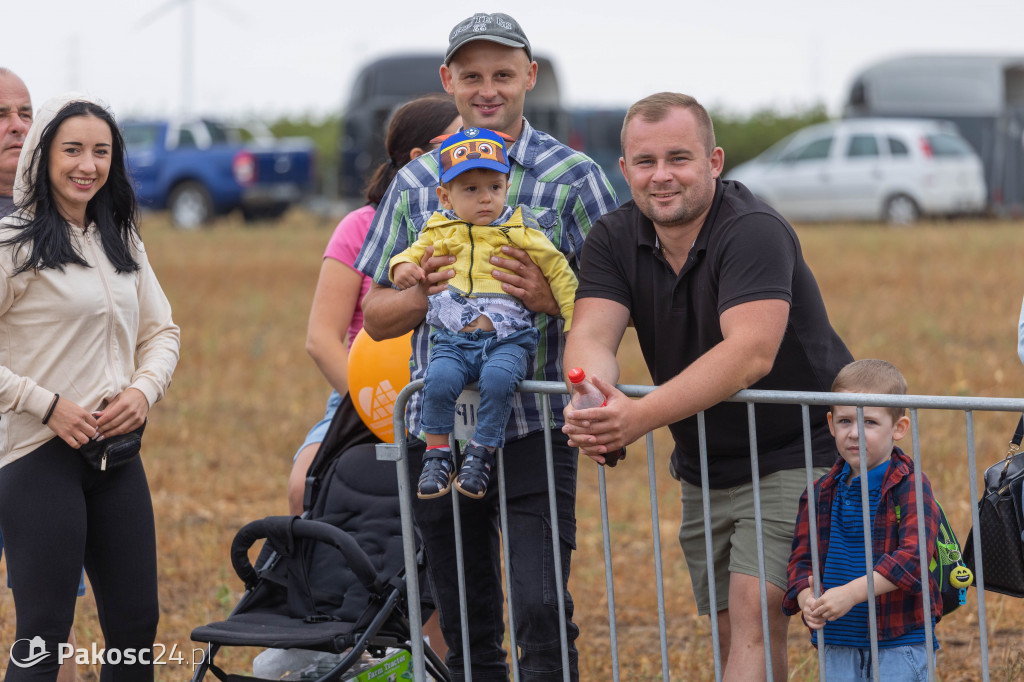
pixel 201 168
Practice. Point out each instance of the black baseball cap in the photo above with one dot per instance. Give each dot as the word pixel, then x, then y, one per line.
pixel 497 28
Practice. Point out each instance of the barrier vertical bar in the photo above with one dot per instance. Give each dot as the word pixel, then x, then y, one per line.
pixel 869 558
pixel 812 525
pixel 755 480
pixel 503 520
pixel 398 451
pixel 408 537
pixel 979 568
pixel 556 538
pixel 656 533
pixel 708 547
pixel 922 547
pixel 609 584
pixel 460 562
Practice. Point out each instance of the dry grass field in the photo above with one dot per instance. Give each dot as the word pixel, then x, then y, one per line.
pixel 940 300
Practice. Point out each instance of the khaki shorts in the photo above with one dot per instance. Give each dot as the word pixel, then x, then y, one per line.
pixel 734 542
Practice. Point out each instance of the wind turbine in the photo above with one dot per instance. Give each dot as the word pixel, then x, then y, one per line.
pixel 188 16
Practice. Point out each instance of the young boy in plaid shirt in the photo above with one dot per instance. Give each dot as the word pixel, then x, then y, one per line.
pixel 841 611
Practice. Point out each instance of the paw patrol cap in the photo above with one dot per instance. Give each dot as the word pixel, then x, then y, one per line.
pixel 473 148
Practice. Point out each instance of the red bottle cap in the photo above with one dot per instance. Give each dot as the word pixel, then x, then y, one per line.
pixel 576 375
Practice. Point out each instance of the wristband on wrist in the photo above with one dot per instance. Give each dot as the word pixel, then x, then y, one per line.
pixel 49 412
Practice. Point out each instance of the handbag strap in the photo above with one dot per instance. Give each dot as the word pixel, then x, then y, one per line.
pixel 1012 451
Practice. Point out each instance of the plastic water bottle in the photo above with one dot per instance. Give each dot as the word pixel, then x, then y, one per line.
pixel 586 395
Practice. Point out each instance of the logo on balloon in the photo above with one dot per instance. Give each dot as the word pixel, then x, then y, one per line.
pixel 379 404
pixel 377 372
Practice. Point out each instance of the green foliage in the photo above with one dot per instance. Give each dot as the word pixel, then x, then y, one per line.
pixel 225 596
pixel 744 137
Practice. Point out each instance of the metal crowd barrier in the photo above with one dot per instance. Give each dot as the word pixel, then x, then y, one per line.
pixel 968 405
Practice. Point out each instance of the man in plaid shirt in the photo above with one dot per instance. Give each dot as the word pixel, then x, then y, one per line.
pixel 841 610
pixel 488 69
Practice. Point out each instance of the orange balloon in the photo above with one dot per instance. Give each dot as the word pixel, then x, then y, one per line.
pixel 377 372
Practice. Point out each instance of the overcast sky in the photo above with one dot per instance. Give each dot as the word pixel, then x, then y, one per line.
pixel 271 57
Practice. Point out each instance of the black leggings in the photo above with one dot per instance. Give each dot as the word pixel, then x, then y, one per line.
pixel 56 514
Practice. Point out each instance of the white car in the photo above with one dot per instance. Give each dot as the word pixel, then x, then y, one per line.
pixel 895 170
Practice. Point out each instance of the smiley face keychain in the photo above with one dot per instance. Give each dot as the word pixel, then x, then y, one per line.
pixel 961 578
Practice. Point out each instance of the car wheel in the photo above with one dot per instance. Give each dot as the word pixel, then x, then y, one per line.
pixel 190 205
pixel 900 210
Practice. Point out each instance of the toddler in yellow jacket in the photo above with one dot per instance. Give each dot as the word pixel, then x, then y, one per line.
pixel 480 333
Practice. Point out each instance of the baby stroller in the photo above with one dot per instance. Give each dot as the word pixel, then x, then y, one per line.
pixel 332 580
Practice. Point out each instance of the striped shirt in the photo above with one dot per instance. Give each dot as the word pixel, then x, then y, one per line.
pixel 895 548
pixel 846 557
pixel 567 192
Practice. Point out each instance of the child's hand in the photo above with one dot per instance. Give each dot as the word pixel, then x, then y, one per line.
pixel 407 275
pixel 808 602
pixel 836 603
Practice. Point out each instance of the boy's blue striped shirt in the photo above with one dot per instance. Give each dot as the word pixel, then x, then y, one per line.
pixel 846 560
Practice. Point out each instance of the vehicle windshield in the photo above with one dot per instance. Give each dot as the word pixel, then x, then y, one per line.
pixel 773 153
pixel 220 133
pixel 140 135
pixel 945 144
pixel 397 78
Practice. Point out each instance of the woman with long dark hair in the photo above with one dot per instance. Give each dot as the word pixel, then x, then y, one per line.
pixel 87 346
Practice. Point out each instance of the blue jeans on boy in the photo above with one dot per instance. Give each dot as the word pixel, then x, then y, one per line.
pixel 900 664
pixel 460 358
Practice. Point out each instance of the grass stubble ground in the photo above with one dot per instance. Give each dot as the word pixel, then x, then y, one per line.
pixel 940 300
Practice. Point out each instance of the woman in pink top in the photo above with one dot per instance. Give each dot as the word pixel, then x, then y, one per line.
pixel 336 315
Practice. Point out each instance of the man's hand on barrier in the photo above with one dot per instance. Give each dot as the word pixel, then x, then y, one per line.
pixel 598 431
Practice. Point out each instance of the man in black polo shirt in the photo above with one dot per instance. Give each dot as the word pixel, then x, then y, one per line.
pixel 721 298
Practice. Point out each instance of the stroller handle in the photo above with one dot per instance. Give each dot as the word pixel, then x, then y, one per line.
pixel 282 531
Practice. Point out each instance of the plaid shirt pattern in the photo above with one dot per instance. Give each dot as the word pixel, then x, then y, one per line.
pixel 567 192
pixel 894 546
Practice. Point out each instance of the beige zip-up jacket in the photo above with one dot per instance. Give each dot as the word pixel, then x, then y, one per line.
pixel 86 333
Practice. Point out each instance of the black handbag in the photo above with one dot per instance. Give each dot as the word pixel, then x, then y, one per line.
pixel 1001 523
pixel 113 451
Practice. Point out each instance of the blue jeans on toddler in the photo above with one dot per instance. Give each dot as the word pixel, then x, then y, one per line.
pixel 460 358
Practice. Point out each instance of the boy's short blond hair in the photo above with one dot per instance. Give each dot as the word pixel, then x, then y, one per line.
pixel 872 376
pixel 506 175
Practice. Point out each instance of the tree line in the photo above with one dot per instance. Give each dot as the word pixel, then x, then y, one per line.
pixel 743 136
